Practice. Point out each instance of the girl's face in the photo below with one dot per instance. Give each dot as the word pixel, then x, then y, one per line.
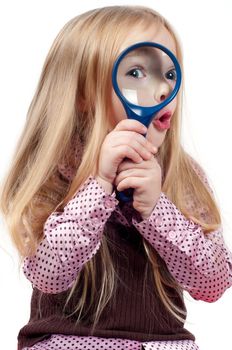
pixel 163 37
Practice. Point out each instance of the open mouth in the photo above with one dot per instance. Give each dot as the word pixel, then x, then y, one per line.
pixel 163 122
pixel 164 117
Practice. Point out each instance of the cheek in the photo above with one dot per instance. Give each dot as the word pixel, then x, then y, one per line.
pixel 172 105
pixel 155 136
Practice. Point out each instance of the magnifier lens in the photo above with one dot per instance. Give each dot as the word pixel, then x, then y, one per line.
pixel 146 76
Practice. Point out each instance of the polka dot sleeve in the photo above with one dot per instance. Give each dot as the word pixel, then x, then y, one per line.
pixel 201 264
pixel 71 238
pixel 65 342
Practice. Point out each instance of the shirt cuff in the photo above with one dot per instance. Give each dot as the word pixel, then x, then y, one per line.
pixel 165 221
pixel 91 204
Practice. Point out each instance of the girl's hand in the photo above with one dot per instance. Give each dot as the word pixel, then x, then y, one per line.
pixel 126 140
pixel 146 179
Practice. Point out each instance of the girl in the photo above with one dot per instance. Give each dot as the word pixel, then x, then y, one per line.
pixel 106 274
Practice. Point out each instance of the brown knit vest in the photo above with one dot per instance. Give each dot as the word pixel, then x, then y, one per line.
pixel 135 312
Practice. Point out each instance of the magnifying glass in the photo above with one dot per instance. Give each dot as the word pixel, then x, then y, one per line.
pixel 146 77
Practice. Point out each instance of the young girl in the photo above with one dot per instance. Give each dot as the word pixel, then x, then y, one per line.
pixel 107 274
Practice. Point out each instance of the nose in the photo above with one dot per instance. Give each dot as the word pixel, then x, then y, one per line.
pixel 162 92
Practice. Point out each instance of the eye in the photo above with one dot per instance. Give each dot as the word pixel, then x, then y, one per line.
pixel 136 73
pixel 171 74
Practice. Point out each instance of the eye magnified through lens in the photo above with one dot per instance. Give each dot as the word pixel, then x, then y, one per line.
pixel 146 76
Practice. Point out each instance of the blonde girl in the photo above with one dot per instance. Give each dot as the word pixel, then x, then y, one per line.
pixel 106 274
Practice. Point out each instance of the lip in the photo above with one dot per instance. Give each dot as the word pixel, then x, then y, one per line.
pixel 164 124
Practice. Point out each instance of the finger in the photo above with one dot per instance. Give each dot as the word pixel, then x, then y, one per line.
pixel 144 149
pixel 131 136
pixel 132 125
pixel 146 145
pixel 129 173
pixel 125 151
pixel 144 164
pixel 144 152
pixel 128 165
pixel 131 182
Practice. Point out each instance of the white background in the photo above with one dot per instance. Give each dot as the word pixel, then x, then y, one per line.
pixel 27 31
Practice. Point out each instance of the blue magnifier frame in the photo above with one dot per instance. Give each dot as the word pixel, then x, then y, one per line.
pixel 143 114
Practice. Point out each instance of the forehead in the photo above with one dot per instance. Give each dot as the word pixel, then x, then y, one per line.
pixel 158 34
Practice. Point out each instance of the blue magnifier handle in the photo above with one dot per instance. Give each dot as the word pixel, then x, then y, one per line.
pixel 126 195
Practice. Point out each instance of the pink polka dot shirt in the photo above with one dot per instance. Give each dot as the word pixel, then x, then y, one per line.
pixel 202 264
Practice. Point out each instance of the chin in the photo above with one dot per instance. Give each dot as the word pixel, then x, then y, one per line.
pixel 156 136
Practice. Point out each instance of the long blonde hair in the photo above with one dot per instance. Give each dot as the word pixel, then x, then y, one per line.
pixel 70 100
